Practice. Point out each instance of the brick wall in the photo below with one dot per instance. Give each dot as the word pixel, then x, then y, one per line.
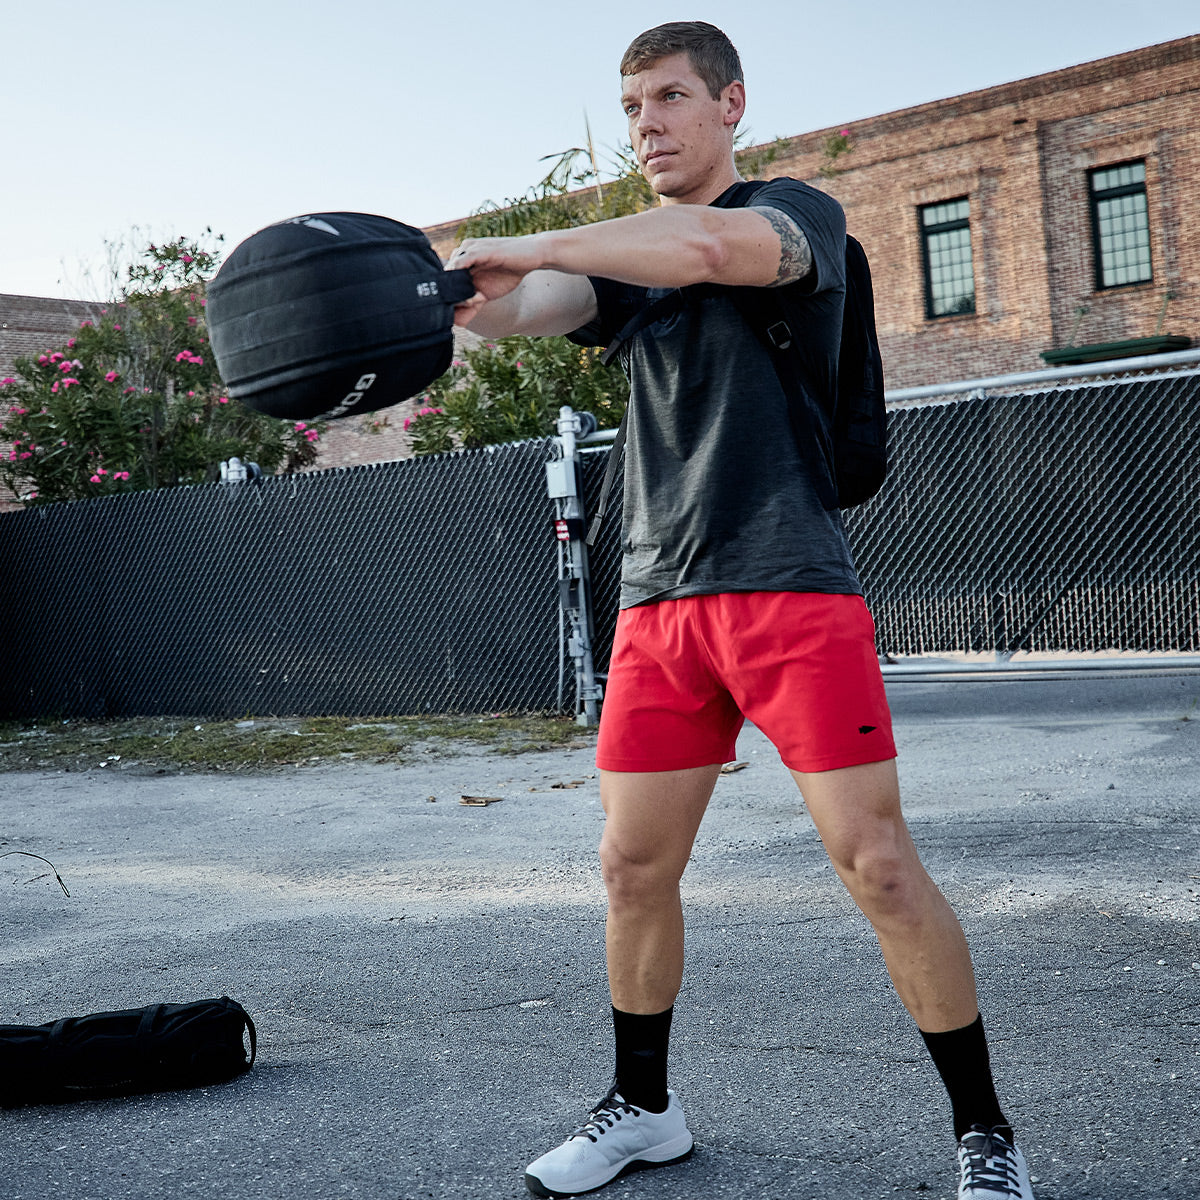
pixel 32 324
pixel 1021 153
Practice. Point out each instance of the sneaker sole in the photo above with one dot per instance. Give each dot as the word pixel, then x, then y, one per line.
pixel 538 1188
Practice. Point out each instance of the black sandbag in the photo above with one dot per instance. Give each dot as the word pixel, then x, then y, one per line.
pixel 332 314
pixel 158 1048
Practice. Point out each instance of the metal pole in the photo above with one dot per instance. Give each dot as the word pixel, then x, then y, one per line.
pixel 564 484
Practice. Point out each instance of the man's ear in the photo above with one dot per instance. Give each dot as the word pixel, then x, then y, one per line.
pixel 734 99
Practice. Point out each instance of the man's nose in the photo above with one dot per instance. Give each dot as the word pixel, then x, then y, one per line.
pixel 649 119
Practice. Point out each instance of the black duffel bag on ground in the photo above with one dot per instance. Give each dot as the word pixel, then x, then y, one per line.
pixel 331 315
pixel 158 1048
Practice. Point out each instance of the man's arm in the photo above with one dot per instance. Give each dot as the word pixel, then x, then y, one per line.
pixel 531 284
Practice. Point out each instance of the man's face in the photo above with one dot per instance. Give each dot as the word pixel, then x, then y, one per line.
pixel 682 137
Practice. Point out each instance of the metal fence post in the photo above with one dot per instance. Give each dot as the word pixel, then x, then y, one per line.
pixel 564 483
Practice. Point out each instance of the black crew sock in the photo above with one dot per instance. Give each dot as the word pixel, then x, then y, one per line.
pixel 961 1058
pixel 641 1040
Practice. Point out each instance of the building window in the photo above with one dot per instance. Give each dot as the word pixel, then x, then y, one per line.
pixel 949 271
pixel 1120 224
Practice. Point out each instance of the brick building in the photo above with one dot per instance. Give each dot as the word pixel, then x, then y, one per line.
pixel 1055 211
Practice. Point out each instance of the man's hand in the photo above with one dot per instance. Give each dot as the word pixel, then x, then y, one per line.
pixel 513 294
pixel 497 266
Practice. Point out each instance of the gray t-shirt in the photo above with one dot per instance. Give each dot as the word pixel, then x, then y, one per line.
pixel 719 494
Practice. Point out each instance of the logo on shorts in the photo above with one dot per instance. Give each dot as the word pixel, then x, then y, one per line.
pixel 867 728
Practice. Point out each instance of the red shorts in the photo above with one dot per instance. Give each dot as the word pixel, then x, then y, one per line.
pixel 686 673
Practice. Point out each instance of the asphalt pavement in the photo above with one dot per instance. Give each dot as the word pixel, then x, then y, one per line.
pixel 428 985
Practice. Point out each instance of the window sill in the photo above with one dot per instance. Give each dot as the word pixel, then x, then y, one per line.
pixel 1105 351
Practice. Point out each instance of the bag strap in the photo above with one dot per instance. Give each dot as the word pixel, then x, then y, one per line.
pixel 763 311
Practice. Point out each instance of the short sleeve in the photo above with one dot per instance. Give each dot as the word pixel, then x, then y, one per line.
pixel 822 221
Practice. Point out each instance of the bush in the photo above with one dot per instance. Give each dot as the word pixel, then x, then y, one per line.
pixel 133 400
pixel 512 389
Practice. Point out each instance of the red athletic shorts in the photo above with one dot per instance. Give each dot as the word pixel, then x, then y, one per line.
pixel 802 666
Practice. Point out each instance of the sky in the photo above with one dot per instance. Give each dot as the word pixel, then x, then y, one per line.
pixel 133 121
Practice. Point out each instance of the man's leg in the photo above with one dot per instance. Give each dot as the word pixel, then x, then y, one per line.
pixel 651 823
pixel 857 813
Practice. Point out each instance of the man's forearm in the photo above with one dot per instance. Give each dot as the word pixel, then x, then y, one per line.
pixel 672 246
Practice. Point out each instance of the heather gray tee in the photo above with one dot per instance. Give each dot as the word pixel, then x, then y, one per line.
pixel 720 493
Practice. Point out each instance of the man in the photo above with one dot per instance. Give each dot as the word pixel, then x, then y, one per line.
pixel 739 597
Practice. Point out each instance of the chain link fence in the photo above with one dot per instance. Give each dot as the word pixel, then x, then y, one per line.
pixel 1061 519
pixel 1050 521
pixel 425 585
pixel 1021 517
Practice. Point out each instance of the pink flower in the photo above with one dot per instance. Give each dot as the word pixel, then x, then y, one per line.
pixel 191 320
pixel 42 360
pixel 68 382
pixel 845 133
pixel 299 426
pixel 54 386
pixel 127 391
pixel 117 328
pixel 121 475
pixel 191 393
pixel 58 354
pixel 187 258
pixel 12 457
pixel 223 400
pixel 7 381
pixel 26 454
pixel 85 324
pixel 111 377
pixel 312 435
pixel 94 479
pixel 203 303
pixel 71 344
pixel 66 366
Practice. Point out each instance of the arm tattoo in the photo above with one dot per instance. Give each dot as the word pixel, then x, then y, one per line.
pixel 795 254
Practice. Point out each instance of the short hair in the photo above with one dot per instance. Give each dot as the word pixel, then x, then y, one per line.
pixel 710 52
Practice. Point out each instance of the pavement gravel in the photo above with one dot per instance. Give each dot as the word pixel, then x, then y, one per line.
pixel 427 977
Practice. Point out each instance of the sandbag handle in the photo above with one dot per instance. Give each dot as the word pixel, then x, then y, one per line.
pixel 457 286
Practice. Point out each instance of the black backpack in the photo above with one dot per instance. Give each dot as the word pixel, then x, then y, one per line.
pixel 858 421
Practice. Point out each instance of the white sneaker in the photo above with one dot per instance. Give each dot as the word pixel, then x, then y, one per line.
pixel 616 1137
pixel 991 1167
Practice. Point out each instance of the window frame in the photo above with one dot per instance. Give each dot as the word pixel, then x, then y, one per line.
pixel 926 233
pixel 1115 193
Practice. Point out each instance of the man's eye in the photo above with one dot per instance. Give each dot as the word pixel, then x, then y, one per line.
pixel 630 109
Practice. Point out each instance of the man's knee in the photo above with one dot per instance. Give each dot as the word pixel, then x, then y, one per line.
pixel 637 874
pixel 884 875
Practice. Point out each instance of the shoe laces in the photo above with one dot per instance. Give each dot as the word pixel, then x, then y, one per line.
pixel 989 1163
pixel 605 1115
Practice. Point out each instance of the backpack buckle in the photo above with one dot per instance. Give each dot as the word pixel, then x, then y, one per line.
pixel 780 335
